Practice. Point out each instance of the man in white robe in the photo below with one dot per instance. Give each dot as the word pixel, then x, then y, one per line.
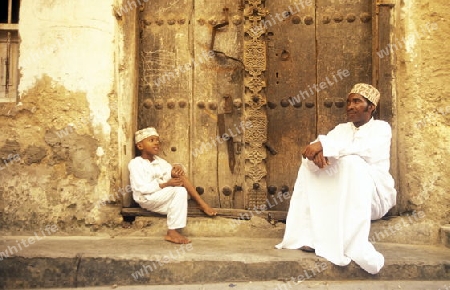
pixel 343 184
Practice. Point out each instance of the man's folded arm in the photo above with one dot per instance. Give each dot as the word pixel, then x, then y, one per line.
pixel 372 148
pixel 333 143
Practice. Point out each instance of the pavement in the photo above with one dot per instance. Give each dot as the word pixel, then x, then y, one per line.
pixel 125 261
pixel 277 285
pixel 223 255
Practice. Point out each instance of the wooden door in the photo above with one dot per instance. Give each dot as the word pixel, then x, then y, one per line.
pixel 191 88
pixel 217 102
pixel 292 71
pixel 315 55
pixel 344 55
pixel 238 88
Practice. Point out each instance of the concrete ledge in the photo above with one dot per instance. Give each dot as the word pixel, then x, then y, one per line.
pixel 221 212
pixel 401 230
pixel 99 261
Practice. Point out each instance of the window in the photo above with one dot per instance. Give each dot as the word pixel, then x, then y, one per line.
pixel 9 50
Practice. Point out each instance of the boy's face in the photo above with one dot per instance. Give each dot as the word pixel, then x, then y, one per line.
pixel 149 146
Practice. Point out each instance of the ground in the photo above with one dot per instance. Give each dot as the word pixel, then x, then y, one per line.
pixel 278 285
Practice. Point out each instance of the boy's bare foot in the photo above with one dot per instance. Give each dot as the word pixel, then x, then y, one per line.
pixel 207 210
pixel 175 237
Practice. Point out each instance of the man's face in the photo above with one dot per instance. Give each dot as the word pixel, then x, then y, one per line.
pixel 149 146
pixel 358 109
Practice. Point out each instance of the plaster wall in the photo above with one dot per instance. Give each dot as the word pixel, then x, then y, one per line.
pixel 60 145
pixel 420 54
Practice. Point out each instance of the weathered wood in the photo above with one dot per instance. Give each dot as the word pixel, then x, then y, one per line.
pixel 291 106
pixel 385 71
pixel 344 42
pixel 216 76
pixel 165 76
pixel 221 212
pixel 9 26
pixel 185 86
pixel 127 106
pixel 13 65
pixel 384 80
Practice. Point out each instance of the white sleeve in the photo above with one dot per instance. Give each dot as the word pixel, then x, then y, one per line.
pixel 334 142
pixel 141 181
pixel 373 145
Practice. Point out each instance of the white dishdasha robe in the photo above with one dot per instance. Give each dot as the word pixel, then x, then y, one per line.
pixel 145 177
pixel 331 208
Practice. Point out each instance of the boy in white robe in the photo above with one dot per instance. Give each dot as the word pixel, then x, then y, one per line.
pixel 343 184
pixel 162 188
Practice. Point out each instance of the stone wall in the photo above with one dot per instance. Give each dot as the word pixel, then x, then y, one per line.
pixel 423 109
pixel 60 145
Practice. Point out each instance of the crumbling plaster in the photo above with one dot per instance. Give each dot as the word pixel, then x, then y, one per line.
pixel 60 143
pixel 423 114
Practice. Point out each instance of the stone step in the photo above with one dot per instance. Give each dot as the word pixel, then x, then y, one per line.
pixel 413 228
pixel 281 285
pixel 55 261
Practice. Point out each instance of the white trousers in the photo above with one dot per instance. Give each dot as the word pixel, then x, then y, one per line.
pixel 331 212
pixel 171 201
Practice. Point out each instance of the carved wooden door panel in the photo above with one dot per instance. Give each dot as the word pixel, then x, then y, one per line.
pixel 190 89
pixel 316 53
pixel 218 124
pixel 165 79
pixel 344 55
pixel 292 106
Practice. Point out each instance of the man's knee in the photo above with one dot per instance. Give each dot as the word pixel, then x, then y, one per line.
pixel 355 161
pixel 352 159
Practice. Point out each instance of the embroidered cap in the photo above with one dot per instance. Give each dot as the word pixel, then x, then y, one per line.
pixel 144 133
pixel 367 91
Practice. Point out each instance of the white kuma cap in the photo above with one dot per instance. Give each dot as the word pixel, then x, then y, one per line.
pixel 144 133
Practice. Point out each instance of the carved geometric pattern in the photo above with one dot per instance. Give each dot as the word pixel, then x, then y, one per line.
pixel 255 3
pixel 256 113
pixel 254 72
pixel 255 100
pixel 256 172
pixel 254 84
pixel 255 54
pixel 257 197
pixel 255 155
pixel 255 32
pixel 256 133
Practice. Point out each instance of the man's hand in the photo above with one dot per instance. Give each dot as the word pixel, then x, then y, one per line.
pixel 320 160
pixel 312 150
pixel 172 182
pixel 177 171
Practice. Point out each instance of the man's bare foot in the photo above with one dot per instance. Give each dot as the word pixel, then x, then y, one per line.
pixel 207 210
pixel 175 237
